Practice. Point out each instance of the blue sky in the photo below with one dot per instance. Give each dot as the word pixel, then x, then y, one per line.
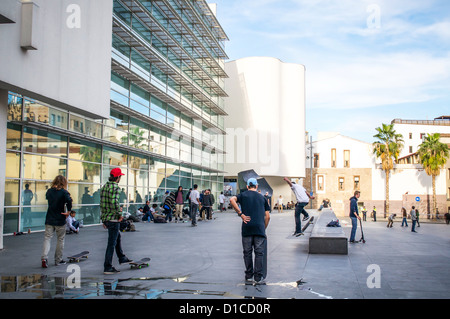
pixel 367 62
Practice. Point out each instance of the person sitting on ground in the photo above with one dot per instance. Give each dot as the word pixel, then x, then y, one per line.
pixel 72 225
pixel 158 216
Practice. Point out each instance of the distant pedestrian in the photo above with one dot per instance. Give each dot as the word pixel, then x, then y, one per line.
pixel 417 217
pixel 222 202
pixel 404 217
pixel 413 219
pixel 169 205
pixel 194 197
pixel 280 204
pixel 269 200
pixel 254 212
pixel 111 216
pixel 374 214
pixel 207 202
pixel 59 207
pixel 303 198
pixel 391 220
pixel 179 204
pixel 354 215
pixel 364 211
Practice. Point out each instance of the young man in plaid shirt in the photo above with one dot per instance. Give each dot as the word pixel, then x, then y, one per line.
pixel 111 216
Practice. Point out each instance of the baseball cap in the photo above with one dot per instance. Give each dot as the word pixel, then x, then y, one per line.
pixel 116 172
pixel 252 182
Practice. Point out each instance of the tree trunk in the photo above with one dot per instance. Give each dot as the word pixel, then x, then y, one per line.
pixel 387 193
pixel 433 181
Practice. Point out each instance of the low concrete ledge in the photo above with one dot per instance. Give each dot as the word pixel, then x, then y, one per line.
pixel 327 240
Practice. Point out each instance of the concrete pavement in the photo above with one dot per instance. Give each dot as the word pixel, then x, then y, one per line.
pixel 205 262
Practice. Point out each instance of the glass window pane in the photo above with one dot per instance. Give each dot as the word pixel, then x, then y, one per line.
pixel 84 172
pixel 10 220
pixel 85 151
pixel 115 157
pixel 36 141
pixel 82 125
pixel 85 194
pixel 88 214
pixel 13 136
pixel 11 192
pixel 14 107
pixel 39 190
pixel 43 167
pixel 12 164
pixel 137 178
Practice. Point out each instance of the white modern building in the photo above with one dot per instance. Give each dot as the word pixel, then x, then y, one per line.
pixel 266 129
pixel 87 86
pixel 342 165
pixel 57 52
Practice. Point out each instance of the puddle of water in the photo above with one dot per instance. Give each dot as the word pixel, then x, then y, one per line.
pixel 48 287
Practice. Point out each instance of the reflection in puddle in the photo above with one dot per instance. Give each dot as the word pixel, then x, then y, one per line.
pixel 48 287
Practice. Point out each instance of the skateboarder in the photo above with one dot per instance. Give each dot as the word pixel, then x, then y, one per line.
pixel 255 215
pixel 55 220
pixel 111 216
pixel 303 198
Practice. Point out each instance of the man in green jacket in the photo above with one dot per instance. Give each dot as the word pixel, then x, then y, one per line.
pixel 111 216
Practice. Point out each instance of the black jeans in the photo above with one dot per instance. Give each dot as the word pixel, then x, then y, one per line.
pixel 114 243
pixel 250 245
pixel 299 209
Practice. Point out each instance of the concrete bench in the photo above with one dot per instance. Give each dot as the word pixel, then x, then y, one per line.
pixel 327 240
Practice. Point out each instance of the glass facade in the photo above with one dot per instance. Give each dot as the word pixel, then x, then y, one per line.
pixel 165 127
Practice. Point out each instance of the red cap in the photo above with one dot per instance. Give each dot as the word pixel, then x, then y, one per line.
pixel 116 172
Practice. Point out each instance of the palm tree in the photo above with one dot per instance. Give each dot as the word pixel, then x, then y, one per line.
pixel 433 156
pixel 387 147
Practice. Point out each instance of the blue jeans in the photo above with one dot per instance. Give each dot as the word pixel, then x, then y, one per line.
pixel 299 209
pixel 354 226
pixel 257 245
pixel 114 243
pixel 413 227
pixel 404 222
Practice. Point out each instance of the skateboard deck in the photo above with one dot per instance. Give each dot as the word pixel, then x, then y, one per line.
pixel 77 257
pixel 140 263
pixel 311 219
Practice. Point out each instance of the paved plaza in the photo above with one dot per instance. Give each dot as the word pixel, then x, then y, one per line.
pixel 205 262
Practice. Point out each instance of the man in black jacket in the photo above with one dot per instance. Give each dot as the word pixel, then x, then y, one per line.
pixel 55 221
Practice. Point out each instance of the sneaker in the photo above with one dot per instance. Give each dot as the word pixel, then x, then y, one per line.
pixel 61 262
pixel 262 281
pixel 248 281
pixel 111 271
pixel 305 218
pixel 44 263
pixel 298 234
pixel 125 261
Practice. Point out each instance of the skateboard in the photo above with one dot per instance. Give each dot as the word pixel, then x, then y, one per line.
pixel 140 263
pixel 77 257
pixel 308 223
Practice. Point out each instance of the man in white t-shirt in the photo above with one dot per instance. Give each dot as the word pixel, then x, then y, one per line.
pixel 303 198
pixel 194 197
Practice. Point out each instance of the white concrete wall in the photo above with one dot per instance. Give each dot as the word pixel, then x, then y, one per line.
pixel 266 122
pixel 71 66
pixel 409 178
pixel 360 152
